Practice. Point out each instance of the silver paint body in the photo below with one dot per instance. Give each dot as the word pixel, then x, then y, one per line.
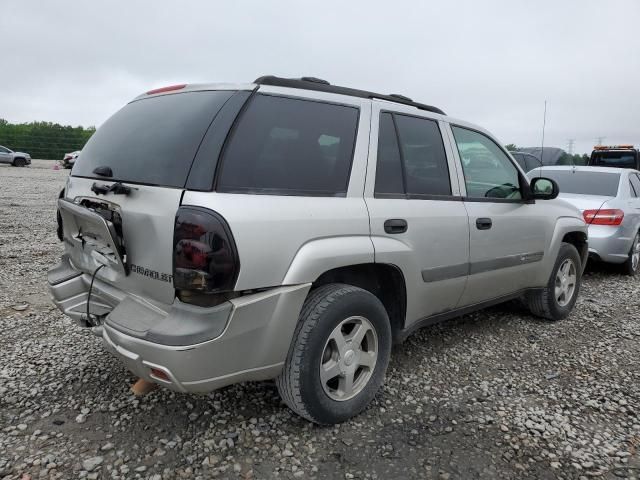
pixel 609 243
pixel 8 156
pixel 286 242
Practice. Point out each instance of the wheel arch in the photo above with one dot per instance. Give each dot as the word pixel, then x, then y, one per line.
pixel 385 281
pixel 579 240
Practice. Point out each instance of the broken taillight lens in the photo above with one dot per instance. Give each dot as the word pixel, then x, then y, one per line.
pixel 205 258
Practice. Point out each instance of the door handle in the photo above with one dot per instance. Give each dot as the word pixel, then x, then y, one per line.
pixel 395 225
pixel 483 223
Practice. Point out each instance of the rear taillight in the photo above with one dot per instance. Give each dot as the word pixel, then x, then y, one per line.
pixel 603 217
pixel 205 258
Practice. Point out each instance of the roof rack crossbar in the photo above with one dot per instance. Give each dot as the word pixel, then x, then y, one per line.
pixel 317 84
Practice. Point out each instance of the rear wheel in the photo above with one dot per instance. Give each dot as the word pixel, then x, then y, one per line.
pixel 19 162
pixel 630 266
pixel 557 299
pixel 338 356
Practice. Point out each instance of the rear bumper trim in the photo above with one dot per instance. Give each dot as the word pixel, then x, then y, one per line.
pixel 249 341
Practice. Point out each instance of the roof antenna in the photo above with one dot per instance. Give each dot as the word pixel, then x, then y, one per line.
pixel 544 123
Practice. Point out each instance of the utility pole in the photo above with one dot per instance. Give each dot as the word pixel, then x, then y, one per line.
pixel 599 140
pixel 570 143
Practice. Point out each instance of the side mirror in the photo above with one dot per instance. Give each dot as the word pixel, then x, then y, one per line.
pixel 544 188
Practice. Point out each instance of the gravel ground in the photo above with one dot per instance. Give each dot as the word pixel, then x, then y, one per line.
pixel 498 394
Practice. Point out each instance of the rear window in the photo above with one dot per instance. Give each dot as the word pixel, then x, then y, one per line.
pixel 290 147
pixel 614 159
pixel 154 140
pixel 584 183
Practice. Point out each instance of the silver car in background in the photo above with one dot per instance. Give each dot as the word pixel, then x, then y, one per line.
pixel 609 199
pixel 17 159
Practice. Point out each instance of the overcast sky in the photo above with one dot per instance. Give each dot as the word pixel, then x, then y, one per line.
pixel 492 62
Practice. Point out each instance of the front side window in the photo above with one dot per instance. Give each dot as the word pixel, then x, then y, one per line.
pixel 411 157
pixel 290 147
pixel 488 172
pixel 3 150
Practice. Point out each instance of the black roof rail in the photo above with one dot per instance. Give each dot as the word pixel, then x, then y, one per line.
pixel 319 85
pixel 400 97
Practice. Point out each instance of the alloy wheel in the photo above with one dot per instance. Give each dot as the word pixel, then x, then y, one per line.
pixel 349 358
pixel 566 278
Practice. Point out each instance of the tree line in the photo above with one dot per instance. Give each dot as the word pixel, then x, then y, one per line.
pixel 43 139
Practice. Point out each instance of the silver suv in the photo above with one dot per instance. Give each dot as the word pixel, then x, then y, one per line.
pixel 17 159
pixel 289 229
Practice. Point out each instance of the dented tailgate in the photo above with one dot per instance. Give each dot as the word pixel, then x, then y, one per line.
pixel 144 264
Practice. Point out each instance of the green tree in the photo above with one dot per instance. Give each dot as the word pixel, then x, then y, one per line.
pixel 511 147
pixel 43 139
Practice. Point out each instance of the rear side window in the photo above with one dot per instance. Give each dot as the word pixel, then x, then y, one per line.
pixel 389 169
pixel 411 157
pixel 289 146
pixel 154 140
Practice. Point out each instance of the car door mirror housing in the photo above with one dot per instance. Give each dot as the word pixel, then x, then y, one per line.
pixel 544 188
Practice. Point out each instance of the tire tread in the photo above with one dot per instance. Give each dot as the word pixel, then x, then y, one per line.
pixel 288 382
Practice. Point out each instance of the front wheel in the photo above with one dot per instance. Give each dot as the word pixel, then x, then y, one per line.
pixel 19 162
pixel 556 300
pixel 630 266
pixel 338 356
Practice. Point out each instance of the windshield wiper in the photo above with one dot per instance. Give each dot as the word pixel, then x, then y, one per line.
pixel 103 171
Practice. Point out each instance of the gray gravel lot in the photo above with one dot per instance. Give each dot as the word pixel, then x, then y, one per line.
pixel 498 394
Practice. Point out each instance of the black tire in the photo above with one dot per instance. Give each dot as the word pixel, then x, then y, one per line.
pixel 299 383
pixel 543 303
pixel 628 267
pixel 19 162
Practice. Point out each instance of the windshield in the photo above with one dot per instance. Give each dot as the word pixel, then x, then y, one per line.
pixel 626 159
pixel 581 182
pixel 152 141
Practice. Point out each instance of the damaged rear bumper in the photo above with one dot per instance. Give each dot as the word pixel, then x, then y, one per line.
pixel 186 348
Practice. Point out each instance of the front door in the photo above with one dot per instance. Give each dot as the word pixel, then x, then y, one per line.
pixel 418 221
pixel 507 235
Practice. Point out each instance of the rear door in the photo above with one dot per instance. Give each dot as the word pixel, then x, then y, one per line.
pixel 507 234
pixel 148 148
pixel 418 221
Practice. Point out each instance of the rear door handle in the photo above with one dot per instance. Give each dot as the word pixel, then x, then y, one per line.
pixel 395 225
pixel 483 223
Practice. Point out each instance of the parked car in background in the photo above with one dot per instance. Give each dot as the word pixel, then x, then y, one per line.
pixel 620 156
pixel 70 159
pixel 333 223
pixel 609 199
pixel 17 159
pixel 527 161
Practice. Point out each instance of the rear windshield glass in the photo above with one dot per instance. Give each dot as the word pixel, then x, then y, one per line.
pixel 614 159
pixel 584 183
pixel 288 146
pixel 154 140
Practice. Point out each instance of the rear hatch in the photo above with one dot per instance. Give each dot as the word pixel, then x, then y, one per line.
pixel 121 200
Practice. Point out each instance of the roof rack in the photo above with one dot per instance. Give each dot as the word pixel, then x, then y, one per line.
pixel 319 85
